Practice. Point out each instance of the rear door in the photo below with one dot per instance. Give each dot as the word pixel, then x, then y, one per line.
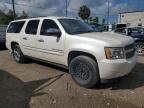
pixel 28 39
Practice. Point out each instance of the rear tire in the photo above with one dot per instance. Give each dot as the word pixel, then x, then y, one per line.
pixel 84 71
pixel 17 54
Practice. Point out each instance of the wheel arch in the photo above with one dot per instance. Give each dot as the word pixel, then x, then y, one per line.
pixel 13 43
pixel 75 53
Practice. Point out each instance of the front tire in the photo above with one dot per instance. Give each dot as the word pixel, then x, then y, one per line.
pixel 140 48
pixel 17 54
pixel 84 71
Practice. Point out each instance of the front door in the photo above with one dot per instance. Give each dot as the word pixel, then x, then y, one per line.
pixel 50 42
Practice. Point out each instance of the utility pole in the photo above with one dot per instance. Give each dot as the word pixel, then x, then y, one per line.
pixel 14 13
pixel 127 6
pixel 108 13
pixel 66 8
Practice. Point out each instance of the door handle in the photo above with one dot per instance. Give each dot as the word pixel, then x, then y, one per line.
pixel 41 40
pixel 24 38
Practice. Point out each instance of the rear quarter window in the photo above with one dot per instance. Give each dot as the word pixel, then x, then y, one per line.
pixel 15 27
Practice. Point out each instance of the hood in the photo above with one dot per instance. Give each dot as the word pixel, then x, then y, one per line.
pixel 109 37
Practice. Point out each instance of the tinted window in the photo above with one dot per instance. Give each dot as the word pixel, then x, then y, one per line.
pixel 15 27
pixel 32 27
pixel 48 25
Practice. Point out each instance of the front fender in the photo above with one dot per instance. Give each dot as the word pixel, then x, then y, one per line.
pixel 97 52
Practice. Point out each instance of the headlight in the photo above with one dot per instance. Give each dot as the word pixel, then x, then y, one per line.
pixel 115 53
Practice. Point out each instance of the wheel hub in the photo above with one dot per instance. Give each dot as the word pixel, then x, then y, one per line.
pixel 140 48
pixel 82 71
pixel 16 54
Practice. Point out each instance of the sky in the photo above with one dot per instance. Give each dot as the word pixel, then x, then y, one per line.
pixel 57 7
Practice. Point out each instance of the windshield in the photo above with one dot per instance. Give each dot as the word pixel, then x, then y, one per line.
pixel 73 26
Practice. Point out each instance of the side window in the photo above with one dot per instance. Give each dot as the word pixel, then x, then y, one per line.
pixel 15 27
pixel 49 28
pixel 32 27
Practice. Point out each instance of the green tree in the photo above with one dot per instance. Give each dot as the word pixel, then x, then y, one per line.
pixel 90 20
pixel 84 12
pixel 103 24
pixel 5 18
pixel 103 21
pixel 23 15
pixel 96 20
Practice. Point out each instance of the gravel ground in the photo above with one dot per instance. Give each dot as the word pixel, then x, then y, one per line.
pixel 41 85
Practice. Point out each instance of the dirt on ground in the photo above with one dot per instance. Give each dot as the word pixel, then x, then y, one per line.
pixel 40 85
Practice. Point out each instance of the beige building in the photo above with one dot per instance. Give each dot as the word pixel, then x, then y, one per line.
pixel 132 19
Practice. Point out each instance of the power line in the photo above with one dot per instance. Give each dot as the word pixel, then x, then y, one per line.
pixel 28 5
pixel 67 9
pixel 95 13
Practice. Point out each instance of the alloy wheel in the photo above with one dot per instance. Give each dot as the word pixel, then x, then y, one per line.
pixel 140 48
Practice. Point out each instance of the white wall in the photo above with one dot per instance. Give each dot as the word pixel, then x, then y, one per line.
pixel 131 19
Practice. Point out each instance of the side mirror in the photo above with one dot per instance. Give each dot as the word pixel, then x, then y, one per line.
pixel 53 32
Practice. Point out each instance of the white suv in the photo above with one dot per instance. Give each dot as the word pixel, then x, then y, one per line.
pixel 90 56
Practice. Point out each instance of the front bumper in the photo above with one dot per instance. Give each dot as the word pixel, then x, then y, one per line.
pixel 110 69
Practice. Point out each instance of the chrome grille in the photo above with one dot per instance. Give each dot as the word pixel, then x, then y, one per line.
pixel 130 50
